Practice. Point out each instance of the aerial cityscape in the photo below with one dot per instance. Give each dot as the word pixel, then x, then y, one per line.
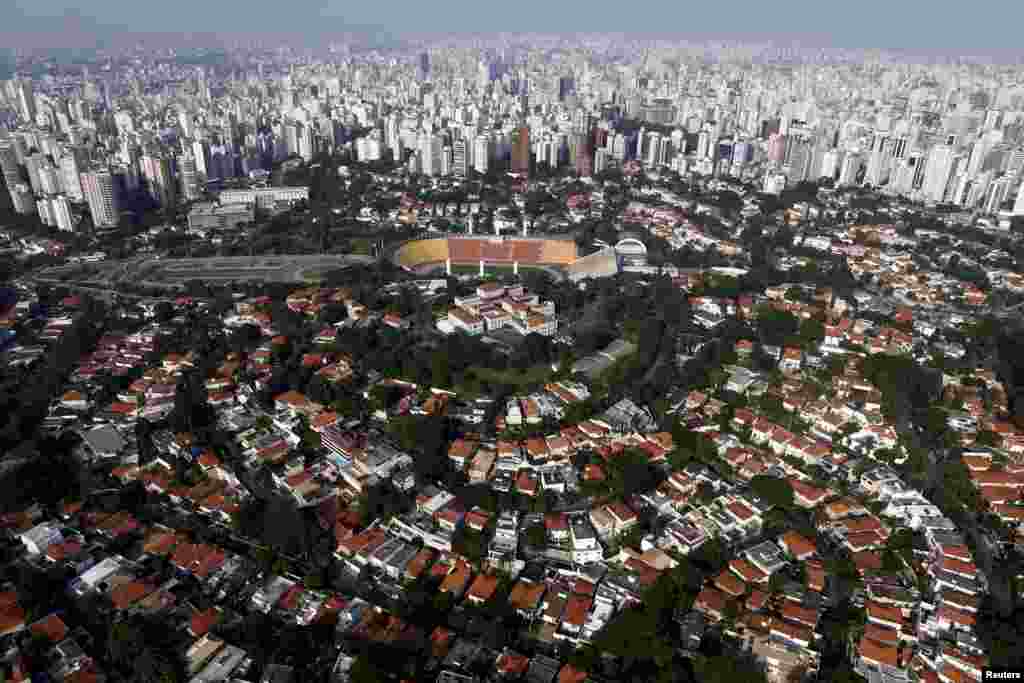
pixel 399 355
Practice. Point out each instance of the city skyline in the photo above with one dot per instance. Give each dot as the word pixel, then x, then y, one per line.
pixel 875 25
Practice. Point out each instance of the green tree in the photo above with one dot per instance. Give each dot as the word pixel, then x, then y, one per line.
pixel 773 490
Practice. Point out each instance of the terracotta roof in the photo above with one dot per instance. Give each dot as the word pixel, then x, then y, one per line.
pixel 797 544
pixel 800 614
pixel 746 570
pixel 483 587
pixel 570 674
pixel 711 599
pixel 956 616
pixel 793 631
pixel 576 609
pixel 727 582
pixel 876 652
pixel 884 613
pixel 129 593
pixel 51 627
pixel 881 634
pixel 526 595
pixel 203 621
pixel 512 664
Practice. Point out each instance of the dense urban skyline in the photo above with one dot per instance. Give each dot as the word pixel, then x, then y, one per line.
pixel 989 27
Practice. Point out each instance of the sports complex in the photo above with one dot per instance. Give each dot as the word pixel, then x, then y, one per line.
pixel 501 253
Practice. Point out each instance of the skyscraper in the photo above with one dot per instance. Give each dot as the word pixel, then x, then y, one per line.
pixel 521 150
pixel 24 202
pixel 159 179
pixel 189 177
pixel 430 153
pixel 1018 204
pixel 937 172
pixel 481 153
pixel 9 164
pixel 459 160
pixel 99 190
pixel 584 155
pixel 71 170
pixel 61 209
pixel 26 101
pixel 34 164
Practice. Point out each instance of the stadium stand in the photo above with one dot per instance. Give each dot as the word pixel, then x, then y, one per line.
pixel 604 263
pixel 420 252
pixel 526 251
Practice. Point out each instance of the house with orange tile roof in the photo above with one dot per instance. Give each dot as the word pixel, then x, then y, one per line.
pixel 711 602
pixel 457 579
pixel 797 545
pixel 728 583
pixel 575 614
pixel 202 621
pixel 747 571
pixel 482 589
pixel 883 615
pixel 51 628
pixel 526 597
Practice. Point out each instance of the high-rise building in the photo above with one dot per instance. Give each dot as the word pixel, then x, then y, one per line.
pixel 34 164
pixel 199 155
pixel 521 150
pixel 446 160
pixel 424 66
pixel 49 180
pixel 584 155
pixel 566 87
pixel 998 192
pixel 23 199
pixel 71 170
pixel 459 158
pixel 481 153
pixel 26 101
pixel 189 177
pixel 937 172
pixel 60 207
pixel 159 179
pixel 9 166
pixel 101 195
pixel 1018 204
pixel 430 153
pixel 46 216
pixel 851 169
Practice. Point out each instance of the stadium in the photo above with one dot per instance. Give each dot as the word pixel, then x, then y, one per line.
pixel 424 255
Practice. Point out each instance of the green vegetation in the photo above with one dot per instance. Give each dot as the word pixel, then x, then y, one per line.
pixel 773 490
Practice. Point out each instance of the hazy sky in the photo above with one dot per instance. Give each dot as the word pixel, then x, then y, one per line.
pixel 947 26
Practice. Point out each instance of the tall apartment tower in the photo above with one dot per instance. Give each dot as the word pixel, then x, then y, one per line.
pixel 460 160
pixel 159 179
pixel 189 177
pixel 937 172
pixel 98 187
pixel 521 150
pixel 584 156
pixel 1018 204
pixel 481 153
pixel 60 207
pixel 26 101
pixel 430 153
pixel 9 166
pixel 71 165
